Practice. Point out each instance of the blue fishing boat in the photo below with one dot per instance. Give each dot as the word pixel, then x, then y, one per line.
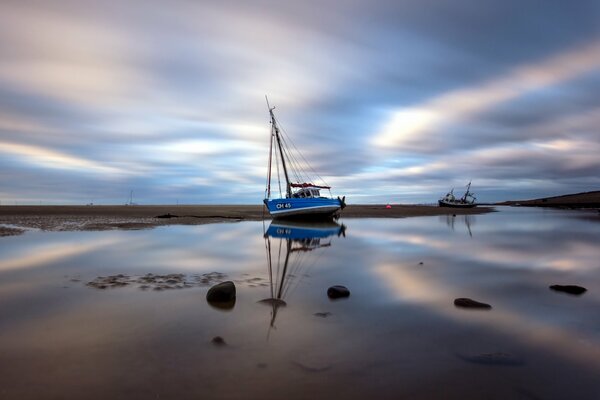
pixel 301 198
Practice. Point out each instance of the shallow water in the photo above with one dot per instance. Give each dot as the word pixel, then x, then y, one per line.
pixel 398 335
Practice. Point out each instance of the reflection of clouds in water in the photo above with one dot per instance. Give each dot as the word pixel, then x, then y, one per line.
pixel 400 314
pixel 435 292
pixel 42 254
pixel 510 265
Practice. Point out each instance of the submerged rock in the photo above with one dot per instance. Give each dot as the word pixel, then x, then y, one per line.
pixel 498 358
pixel 470 303
pixel 273 302
pixel 570 289
pixel 218 341
pixel 106 282
pixel 322 314
pixel 221 292
pixel 338 292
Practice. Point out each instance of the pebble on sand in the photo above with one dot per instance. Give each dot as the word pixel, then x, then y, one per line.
pixel 221 292
pixel 570 289
pixel 470 303
pixel 218 341
pixel 338 292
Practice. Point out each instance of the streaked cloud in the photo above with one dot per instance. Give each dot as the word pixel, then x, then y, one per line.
pixel 414 126
pixel 168 99
pixel 47 158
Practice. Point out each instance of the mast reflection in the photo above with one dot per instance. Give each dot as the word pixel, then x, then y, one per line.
pixel 468 220
pixel 287 244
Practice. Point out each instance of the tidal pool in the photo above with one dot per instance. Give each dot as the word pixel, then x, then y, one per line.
pixel 398 335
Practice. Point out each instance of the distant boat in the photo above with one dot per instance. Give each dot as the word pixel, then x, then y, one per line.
pixel 301 198
pixel 466 201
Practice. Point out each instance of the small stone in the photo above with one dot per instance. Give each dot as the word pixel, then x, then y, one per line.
pixel 338 292
pixel 218 341
pixel 570 289
pixel 221 292
pixel 421 263
pixel 470 303
pixel 322 314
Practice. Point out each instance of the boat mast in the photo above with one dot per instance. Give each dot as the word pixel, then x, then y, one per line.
pixel 467 192
pixel 276 129
pixel 270 157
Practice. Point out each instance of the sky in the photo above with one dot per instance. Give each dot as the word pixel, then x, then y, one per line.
pixel 388 100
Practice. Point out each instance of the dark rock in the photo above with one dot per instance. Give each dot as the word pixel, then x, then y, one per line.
pixel 338 292
pixel 470 303
pixel 223 305
pixel 421 263
pixel 168 215
pixel 221 292
pixel 218 341
pixel 570 289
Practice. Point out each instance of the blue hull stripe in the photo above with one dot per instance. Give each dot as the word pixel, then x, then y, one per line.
pixel 301 206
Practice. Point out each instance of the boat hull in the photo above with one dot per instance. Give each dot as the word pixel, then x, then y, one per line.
pixel 443 203
pixel 303 208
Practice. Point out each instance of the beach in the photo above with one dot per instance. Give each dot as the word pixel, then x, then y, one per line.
pixel 91 218
pixel 452 305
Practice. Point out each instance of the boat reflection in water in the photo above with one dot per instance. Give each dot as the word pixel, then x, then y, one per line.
pixel 287 244
pixel 452 220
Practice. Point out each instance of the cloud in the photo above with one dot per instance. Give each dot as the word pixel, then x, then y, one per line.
pixel 413 127
pixel 56 160
pixel 402 97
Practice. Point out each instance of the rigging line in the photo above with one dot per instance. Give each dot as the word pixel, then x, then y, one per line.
pixel 270 166
pixel 308 268
pixel 268 249
pixel 278 176
pixel 298 164
pixel 293 166
pixel 285 267
pixel 277 281
pixel 301 155
pixel 300 172
pixel 298 264
pixel 294 273
pixel 292 267
pixel 286 138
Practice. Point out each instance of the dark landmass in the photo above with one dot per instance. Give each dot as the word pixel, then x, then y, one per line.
pixel 72 218
pixel 576 200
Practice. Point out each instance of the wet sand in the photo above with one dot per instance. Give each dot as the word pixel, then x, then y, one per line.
pixel 70 218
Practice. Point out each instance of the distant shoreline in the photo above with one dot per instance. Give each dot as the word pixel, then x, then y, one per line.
pixel 575 200
pixel 92 218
